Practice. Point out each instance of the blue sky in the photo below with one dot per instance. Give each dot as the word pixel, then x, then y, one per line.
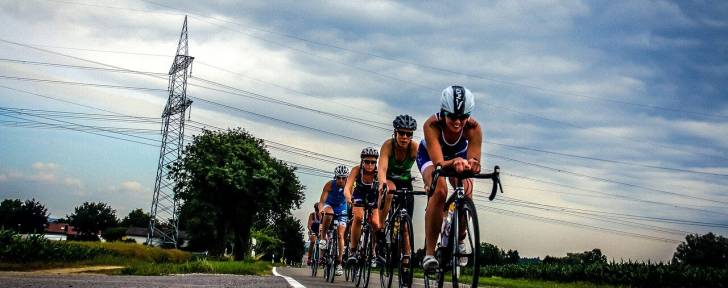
pixel 637 83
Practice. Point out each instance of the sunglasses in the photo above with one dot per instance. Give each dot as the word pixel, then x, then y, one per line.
pixel 341 178
pixel 370 162
pixel 461 117
pixel 405 133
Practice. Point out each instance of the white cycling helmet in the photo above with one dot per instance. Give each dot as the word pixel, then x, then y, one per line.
pixel 457 100
pixel 341 171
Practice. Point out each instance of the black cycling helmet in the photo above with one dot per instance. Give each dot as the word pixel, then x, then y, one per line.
pixel 369 152
pixel 405 122
pixel 316 206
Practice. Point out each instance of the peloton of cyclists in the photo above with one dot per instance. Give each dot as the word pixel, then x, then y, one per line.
pixel 452 140
pixel 334 201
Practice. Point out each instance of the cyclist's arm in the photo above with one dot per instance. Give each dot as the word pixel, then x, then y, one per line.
pixel 383 163
pixel 432 133
pixel 310 220
pixel 324 195
pixel 474 134
pixel 350 183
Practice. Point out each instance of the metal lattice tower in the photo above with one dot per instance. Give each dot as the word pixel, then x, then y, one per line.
pixel 163 226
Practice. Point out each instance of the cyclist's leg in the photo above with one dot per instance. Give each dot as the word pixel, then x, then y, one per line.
pixel 410 205
pixel 468 187
pixel 358 213
pixel 387 201
pixel 312 241
pixel 326 222
pixel 341 230
pixel 434 213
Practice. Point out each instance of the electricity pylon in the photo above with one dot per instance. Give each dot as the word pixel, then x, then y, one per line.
pixel 164 222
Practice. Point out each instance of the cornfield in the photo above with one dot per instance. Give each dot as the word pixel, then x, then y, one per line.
pixel 629 273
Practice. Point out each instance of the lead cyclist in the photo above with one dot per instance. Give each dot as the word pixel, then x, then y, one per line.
pixel 452 140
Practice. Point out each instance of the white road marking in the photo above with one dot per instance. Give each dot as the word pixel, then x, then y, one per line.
pixel 290 280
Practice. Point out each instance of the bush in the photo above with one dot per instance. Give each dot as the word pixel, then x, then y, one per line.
pixel 19 249
pixel 114 234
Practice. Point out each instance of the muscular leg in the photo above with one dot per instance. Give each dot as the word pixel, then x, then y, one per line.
pixel 356 227
pixel 434 213
pixel 341 229
pixel 312 240
pixel 387 202
pixel 325 223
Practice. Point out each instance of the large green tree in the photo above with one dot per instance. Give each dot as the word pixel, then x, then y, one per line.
pixel 290 231
pixel 136 218
pixel 90 219
pixel 24 217
pixel 232 173
pixel 703 250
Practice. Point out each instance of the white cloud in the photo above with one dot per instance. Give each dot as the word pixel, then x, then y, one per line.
pixel 73 182
pixel 131 186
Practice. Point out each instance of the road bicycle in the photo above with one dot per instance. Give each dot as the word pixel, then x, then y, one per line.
pixel 460 225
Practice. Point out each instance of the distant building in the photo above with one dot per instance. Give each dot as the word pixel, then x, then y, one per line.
pixel 59 231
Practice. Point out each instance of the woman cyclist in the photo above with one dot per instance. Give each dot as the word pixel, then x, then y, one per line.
pixel 397 156
pixel 314 219
pixel 452 140
pixel 363 182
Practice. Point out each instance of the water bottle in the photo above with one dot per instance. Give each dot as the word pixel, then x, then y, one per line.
pixel 446 225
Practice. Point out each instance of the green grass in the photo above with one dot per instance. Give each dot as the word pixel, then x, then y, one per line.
pixel 199 266
pixel 521 283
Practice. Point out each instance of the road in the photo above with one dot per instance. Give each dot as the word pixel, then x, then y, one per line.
pixel 303 276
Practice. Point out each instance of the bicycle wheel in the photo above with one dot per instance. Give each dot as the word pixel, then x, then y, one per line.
pixel 362 264
pixel 386 270
pixel 333 253
pixel 315 261
pixel 368 261
pixel 469 216
pixel 405 269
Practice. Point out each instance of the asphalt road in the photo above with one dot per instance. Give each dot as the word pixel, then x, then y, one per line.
pixel 30 279
pixel 303 276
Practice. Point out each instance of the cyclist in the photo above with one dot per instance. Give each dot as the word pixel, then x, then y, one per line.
pixel 363 182
pixel 314 219
pixel 452 140
pixel 397 156
pixel 334 201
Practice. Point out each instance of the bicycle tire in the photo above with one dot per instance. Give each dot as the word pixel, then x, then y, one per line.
pixel 333 253
pixel 362 259
pixel 368 261
pixel 405 270
pixel 472 238
pixel 386 270
pixel 314 262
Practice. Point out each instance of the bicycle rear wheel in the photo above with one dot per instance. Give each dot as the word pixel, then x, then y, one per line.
pixel 469 217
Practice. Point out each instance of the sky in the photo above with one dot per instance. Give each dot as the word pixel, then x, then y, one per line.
pixel 609 119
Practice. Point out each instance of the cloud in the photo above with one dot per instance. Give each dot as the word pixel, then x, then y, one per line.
pixel 131 186
pixel 73 182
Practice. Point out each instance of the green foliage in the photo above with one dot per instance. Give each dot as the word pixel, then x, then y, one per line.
pixel 267 242
pixel 705 250
pixel 231 174
pixel 587 257
pixel 18 249
pixel 91 218
pixel 630 273
pixel 24 217
pixel 136 218
pixel 114 234
pixel 290 231
pixel 140 252
pixel 490 255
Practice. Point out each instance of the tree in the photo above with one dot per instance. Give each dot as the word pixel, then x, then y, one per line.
pixel 136 218
pixel 91 218
pixel 24 217
pixel 594 256
pixel 9 213
pixel 232 173
pixel 705 250
pixel 290 231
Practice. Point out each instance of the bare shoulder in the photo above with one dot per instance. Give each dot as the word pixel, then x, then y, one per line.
pixel 431 122
pixel 386 146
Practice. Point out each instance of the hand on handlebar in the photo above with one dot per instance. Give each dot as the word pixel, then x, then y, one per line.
pixel 460 165
pixel 474 165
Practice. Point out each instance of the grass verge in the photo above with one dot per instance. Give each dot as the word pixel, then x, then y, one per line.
pixel 199 266
pixel 523 283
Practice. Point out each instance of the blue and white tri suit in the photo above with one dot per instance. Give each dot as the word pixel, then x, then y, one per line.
pixel 337 201
pixel 449 150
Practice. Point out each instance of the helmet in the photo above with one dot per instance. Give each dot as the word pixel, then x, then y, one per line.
pixel 369 152
pixel 457 100
pixel 341 171
pixel 405 122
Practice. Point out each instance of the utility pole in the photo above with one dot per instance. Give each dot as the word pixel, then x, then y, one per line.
pixel 164 222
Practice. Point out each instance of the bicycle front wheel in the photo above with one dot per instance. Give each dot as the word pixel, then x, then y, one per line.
pixel 333 255
pixel 386 269
pixel 362 263
pixel 464 259
pixel 315 261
